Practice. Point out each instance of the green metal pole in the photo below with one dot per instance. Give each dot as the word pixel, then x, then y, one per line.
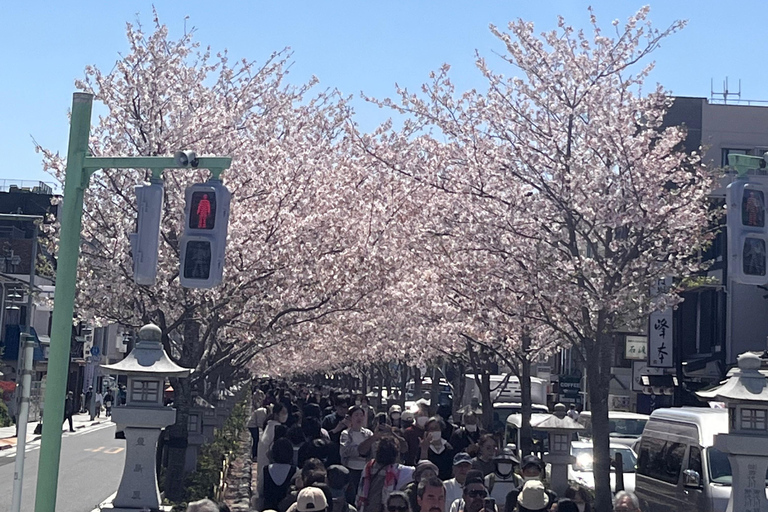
pixel 75 182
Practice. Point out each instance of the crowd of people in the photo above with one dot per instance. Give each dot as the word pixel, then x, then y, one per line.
pixel 321 450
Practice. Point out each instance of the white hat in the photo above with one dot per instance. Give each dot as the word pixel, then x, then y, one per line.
pixel 311 499
pixel 533 496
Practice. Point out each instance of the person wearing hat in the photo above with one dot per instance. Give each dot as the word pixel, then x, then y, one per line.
pixel 462 463
pixel 338 481
pixel 424 469
pixel 407 419
pixel 311 499
pixel 395 416
pixel 533 497
pixel 473 494
pixel 503 479
pixel 532 470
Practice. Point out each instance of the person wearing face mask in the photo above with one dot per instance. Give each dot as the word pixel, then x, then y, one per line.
pixel 503 479
pixel 464 437
pixel 277 417
pixel 532 470
pixel 439 451
pixel 395 415
pixel 415 433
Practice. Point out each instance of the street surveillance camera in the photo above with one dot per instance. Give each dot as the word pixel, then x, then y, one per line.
pixel 186 158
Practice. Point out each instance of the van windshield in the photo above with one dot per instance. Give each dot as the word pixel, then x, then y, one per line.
pixel 720 467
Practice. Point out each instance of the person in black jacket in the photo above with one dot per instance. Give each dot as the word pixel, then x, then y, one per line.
pixel 69 409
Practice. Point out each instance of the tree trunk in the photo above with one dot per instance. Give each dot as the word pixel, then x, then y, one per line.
pixel 416 382
pixel 192 350
pixel 434 391
pixel 599 361
pixel 485 400
pixel 526 433
pixel 177 441
pixel 458 383
pixel 403 384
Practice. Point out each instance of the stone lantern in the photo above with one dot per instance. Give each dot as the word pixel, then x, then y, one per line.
pixel 196 429
pixel 745 394
pixel 560 429
pixel 143 416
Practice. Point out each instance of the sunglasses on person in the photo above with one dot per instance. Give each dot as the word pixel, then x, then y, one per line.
pixel 477 493
pixel 397 508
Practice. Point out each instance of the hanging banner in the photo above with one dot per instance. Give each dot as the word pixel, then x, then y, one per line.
pixel 660 331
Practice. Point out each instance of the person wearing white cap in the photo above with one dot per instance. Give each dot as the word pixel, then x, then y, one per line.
pixel 204 505
pixel 395 414
pixel 311 499
pixel 533 497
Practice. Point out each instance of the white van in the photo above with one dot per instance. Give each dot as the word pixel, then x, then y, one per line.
pixel 505 388
pixel 677 466
pixel 625 427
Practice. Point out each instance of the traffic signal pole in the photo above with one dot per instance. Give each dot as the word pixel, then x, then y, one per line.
pixel 75 182
pixel 79 168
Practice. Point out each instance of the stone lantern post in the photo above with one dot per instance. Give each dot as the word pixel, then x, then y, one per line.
pixel 745 394
pixel 560 429
pixel 143 417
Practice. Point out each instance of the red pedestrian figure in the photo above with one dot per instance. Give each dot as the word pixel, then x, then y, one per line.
pixel 203 212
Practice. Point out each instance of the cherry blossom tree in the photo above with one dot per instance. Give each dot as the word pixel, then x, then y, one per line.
pixel 595 200
pixel 298 251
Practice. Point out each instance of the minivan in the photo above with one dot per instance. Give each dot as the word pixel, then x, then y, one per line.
pixel 625 427
pixel 677 466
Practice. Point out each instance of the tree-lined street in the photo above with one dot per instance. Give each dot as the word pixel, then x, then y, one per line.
pixel 91 467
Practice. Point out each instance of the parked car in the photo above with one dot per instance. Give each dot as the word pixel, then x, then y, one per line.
pixel 625 427
pixel 445 398
pixel 581 470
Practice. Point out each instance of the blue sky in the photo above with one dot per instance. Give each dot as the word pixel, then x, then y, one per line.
pixel 353 46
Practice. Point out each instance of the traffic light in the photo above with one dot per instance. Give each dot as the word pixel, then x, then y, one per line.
pixel 747 233
pixel 144 243
pixel 206 218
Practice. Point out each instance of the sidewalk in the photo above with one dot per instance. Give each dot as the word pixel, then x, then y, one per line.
pixel 79 421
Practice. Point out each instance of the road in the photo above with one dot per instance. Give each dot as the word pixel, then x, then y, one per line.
pixel 90 471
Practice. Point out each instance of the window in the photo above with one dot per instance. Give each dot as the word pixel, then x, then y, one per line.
pixel 752 419
pixel 660 459
pixel 145 391
pixel 192 423
pixel 725 152
pixel 560 443
pixel 694 460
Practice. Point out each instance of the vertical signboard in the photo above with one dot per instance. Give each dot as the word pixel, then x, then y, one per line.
pixel 660 331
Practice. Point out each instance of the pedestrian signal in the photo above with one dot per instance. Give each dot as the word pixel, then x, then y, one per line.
pixel 204 240
pixel 202 214
pixel 747 233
